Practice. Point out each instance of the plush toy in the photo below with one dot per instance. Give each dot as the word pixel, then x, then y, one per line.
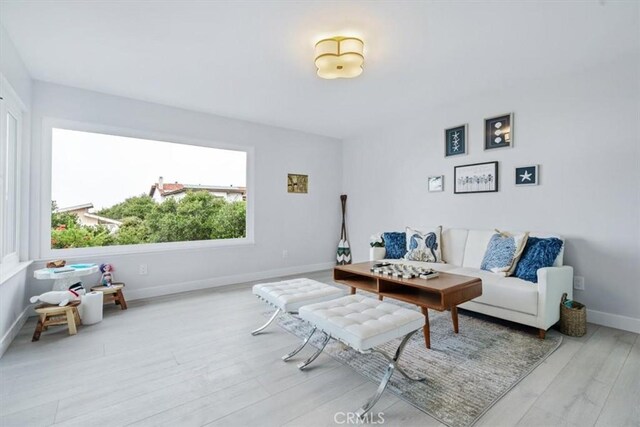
pixel 107 276
pixel 61 298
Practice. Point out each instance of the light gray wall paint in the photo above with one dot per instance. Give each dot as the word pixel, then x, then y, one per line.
pixel 306 225
pixel 14 69
pixel 582 130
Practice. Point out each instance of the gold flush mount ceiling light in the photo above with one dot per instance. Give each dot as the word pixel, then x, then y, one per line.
pixel 339 57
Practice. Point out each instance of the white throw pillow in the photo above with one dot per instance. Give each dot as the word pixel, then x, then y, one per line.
pixel 424 246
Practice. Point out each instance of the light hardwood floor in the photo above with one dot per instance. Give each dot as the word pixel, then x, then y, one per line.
pixel 189 359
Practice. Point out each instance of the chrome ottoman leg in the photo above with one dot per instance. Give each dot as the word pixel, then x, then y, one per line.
pixel 275 315
pixel 315 355
pixel 387 376
pixel 300 347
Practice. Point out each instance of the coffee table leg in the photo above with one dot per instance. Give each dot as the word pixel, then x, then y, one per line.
pixel 425 329
pixel 353 291
pixel 454 317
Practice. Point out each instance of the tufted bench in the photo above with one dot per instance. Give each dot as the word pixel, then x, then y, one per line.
pixel 363 323
pixel 289 295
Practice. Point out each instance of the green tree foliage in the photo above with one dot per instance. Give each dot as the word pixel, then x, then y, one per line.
pixel 138 206
pixel 197 216
pixel 62 218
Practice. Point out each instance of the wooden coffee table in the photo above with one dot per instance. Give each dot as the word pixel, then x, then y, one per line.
pixel 444 292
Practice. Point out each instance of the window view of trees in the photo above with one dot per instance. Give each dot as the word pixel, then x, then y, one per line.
pixel 199 215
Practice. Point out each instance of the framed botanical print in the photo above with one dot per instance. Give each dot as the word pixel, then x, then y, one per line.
pixel 297 183
pixel 476 178
pixel 498 132
pixel 455 141
pixel 527 175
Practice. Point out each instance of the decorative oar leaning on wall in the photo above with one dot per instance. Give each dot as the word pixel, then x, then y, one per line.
pixel 343 255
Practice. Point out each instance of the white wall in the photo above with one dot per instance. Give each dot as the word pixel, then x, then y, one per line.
pixel 14 69
pixel 306 225
pixel 12 290
pixel 583 131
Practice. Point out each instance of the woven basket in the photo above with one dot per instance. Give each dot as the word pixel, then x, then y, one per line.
pixel 573 321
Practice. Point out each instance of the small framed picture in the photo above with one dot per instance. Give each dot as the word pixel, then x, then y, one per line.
pixel 476 178
pixel 297 183
pixel 436 183
pixel 498 132
pixel 527 175
pixel 455 141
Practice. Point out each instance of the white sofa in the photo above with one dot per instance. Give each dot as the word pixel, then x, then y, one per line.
pixel 510 298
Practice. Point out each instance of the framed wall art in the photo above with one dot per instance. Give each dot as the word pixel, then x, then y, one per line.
pixel 498 132
pixel 436 183
pixel 297 183
pixel 527 175
pixel 476 178
pixel 455 141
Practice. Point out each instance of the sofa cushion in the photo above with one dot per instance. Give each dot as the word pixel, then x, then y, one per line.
pixel 453 243
pixel 475 247
pixel 503 252
pixel 395 244
pixel 538 253
pixel 505 292
pixel 424 246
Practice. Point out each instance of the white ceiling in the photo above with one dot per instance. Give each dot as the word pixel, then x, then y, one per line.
pixel 254 60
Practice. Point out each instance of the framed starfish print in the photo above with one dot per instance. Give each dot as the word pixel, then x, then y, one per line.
pixel 527 175
pixel 455 141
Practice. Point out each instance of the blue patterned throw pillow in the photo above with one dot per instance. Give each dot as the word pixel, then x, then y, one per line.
pixel 538 253
pixel 395 244
pixel 503 252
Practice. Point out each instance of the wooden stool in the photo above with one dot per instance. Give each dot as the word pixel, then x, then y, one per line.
pixel 50 315
pixel 112 293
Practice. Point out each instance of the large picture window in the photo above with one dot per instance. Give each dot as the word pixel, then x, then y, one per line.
pixel 109 190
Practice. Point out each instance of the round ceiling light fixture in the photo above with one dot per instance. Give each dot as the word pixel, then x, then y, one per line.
pixel 339 57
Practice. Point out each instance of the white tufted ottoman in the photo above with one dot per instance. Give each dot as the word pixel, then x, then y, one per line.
pixel 363 323
pixel 289 295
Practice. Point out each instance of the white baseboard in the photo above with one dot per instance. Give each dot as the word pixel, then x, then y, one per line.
pixel 14 329
pixel 174 288
pixel 616 321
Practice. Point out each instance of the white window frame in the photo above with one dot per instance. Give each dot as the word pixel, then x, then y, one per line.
pixel 47 252
pixel 11 104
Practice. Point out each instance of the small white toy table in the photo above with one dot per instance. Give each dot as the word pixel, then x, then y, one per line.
pixel 65 276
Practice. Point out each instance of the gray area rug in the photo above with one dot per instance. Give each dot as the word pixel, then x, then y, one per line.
pixel 466 373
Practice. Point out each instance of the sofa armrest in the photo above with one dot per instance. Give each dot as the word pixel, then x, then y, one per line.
pixel 552 283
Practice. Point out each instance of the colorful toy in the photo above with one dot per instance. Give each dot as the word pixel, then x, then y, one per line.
pixel 61 298
pixel 107 274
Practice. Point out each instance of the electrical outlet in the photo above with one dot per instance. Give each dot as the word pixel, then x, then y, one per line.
pixel 285 253
pixel 142 269
pixel 578 283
